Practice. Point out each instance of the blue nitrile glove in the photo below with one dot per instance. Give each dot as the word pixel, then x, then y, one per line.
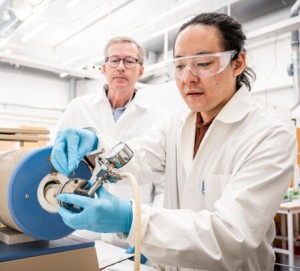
pixel 130 250
pixel 107 213
pixel 70 146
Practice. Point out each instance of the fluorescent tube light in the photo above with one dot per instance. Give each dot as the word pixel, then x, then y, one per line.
pixel 72 3
pixel 34 32
pixel 63 74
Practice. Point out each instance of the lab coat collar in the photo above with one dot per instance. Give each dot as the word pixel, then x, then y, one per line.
pixel 235 109
pixel 139 99
pixel 100 95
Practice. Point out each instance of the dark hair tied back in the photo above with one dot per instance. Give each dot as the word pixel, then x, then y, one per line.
pixel 233 38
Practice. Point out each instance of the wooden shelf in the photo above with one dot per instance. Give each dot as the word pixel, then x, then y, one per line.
pixel 23 135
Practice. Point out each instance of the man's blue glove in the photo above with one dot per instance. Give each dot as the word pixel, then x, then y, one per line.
pixel 130 250
pixel 107 213
pixel 70 146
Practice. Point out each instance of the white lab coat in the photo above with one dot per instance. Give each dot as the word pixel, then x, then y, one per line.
pixel 95 111
pixel 220 206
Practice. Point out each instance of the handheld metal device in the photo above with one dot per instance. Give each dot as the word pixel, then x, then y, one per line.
pixel 119 156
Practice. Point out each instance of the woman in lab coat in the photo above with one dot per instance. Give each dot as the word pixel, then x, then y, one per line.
pixel 220 197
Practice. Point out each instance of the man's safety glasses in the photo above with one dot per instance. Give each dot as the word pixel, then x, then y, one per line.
pixel 205 65
pixel 114 62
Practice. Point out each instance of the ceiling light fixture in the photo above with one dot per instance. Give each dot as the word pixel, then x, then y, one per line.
pixel 5 15
pixel 7 51
pixel 63 74
pixel 72 3
pixel 35 2
pixel 21 9
pixel 36 30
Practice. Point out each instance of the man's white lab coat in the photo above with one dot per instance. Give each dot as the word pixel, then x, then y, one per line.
pixel 95 111
pixel 221 205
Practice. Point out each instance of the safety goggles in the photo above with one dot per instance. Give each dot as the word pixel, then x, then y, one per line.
pixel 205 65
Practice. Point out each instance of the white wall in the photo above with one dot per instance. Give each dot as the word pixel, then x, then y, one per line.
pixel 270 59
pixel 273 86
pixel 31 99
pixel 85 87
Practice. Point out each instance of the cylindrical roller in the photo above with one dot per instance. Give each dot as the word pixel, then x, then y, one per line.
pixel 28 184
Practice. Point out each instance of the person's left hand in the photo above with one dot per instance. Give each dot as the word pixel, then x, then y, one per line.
pixel 107 213
pixel 131 249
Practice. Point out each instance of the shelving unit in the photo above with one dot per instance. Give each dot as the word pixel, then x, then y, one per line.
pixel 23 135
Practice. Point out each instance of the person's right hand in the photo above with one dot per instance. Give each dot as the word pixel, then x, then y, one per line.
pixel 70 146
pixel 105 213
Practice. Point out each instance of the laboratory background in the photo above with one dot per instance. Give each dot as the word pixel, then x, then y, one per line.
pixel 51 51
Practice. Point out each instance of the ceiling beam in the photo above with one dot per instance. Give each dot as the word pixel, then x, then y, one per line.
pixel 58 69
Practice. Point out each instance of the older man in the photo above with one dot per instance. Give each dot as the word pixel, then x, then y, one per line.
pixel 120 110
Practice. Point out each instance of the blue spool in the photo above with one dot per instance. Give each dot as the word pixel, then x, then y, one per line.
pixel 23 203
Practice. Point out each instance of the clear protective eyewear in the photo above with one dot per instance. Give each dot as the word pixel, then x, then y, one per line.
pixel 128 62
pixel 205 65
